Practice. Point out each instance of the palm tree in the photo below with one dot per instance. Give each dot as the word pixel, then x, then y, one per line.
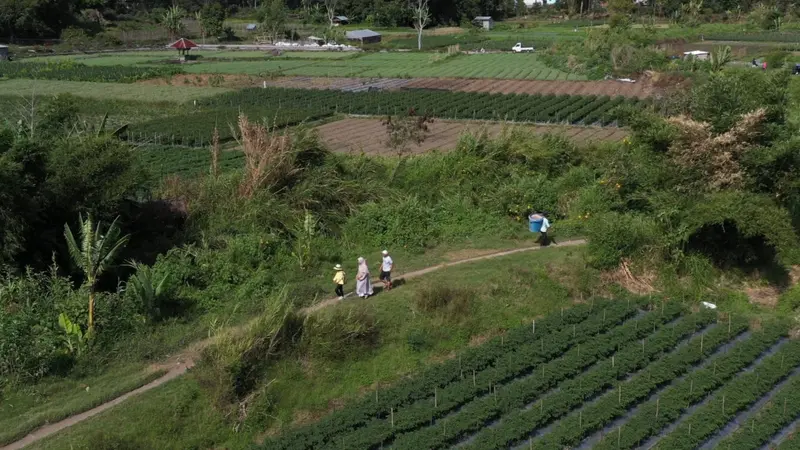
pixel 173 21
pixel 720 58
pixel 95 254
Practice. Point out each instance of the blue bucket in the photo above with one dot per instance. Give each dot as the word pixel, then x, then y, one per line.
pixel 536 225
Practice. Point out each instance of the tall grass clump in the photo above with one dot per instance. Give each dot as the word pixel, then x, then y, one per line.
pixel 340 333
pixel 451 302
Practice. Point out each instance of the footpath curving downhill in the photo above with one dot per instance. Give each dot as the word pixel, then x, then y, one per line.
pixel 178 365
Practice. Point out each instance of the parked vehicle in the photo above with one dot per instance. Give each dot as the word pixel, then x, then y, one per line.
pixel 518 48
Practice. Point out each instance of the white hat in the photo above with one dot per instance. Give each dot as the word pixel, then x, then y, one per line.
pixel 385 252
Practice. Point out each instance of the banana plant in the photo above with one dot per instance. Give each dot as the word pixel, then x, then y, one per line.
pixel 74 339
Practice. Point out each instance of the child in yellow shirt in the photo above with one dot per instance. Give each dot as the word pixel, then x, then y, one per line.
pixel 340 279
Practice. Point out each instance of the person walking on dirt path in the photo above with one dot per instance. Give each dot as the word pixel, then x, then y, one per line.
pixel 363 284
pixel 386 270
pixel 538 222
pixel 545 226
pixel 339 278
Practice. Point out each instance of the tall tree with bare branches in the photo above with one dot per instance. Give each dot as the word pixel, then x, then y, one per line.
pixel 422 17
pixel 330 10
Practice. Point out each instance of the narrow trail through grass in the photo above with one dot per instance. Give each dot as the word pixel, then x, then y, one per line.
pixel 178 364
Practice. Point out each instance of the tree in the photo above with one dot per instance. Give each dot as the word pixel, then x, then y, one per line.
pixel 173 21
pixel 212 19
pixel 273 18
pixel 720 57
pixel 620 11
pixel 94 253
pixel 403 131
pixel 330 11
pixel 422 17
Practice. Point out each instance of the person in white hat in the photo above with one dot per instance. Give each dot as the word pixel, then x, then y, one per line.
pixel 386 270
pixel 339 278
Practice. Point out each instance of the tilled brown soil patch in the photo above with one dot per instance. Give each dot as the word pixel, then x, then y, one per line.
pixel 366 135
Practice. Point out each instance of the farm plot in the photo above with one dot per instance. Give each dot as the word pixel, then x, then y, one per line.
pixel 368 135
pixel 102 91
pixel 283 107
pixel 629 371
pixel 403 65
pixel 568 109
pixel 185 162
pixel 610 88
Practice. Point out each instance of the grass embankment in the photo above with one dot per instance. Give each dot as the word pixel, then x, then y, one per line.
pixel 51 400
pixel 495 295
pixel 105 91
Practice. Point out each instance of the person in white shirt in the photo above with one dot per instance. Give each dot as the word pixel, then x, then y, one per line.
pixel 386 271
pixel 545 226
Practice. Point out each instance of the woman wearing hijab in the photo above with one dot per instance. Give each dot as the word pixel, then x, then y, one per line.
pixel 363 284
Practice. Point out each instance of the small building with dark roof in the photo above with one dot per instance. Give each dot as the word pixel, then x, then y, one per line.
pixel 364 36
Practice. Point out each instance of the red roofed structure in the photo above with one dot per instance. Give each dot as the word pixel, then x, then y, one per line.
pixel 183 45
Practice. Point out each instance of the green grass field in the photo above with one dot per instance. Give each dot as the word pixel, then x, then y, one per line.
pixel 52 400
pixel 507 291
pixel 115 91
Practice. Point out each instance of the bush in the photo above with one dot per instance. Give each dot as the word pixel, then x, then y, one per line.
pixel 340 333
pixel 419 340
pixel 789 301
pixel 451 302
pixel 614 236
pixel 402 222
pixel 776 59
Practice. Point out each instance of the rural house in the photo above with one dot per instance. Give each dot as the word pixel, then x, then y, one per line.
pixel 484 22
pixel 341 20
pixel 364 36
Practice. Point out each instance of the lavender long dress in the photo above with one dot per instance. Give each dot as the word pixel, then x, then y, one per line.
pixel 363 283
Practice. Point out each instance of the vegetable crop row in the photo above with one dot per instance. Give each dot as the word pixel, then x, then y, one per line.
pixel 509 402
pixel 608 408
pixel 792 442
pixel 772 418
pixel 739 394
pixel 443 104
pixel 196 129
pixel 655 415
pixel 72 71
pixel 436 377
pixel 519 424
pixel 510 367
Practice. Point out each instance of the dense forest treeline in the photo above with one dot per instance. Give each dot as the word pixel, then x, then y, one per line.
pixel 48 18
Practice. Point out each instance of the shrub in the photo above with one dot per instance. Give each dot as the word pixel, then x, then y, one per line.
pixel 776 59
pixel 451 302
pixel 789 301
pixel 402 222
pixel 340 333
pixel 418 340
pixel 614 236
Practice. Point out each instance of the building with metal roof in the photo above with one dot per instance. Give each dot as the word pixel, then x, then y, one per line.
pixel 484 21
pixel 363 36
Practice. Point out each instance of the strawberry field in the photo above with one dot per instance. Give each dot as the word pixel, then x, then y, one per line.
pixel 607 374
